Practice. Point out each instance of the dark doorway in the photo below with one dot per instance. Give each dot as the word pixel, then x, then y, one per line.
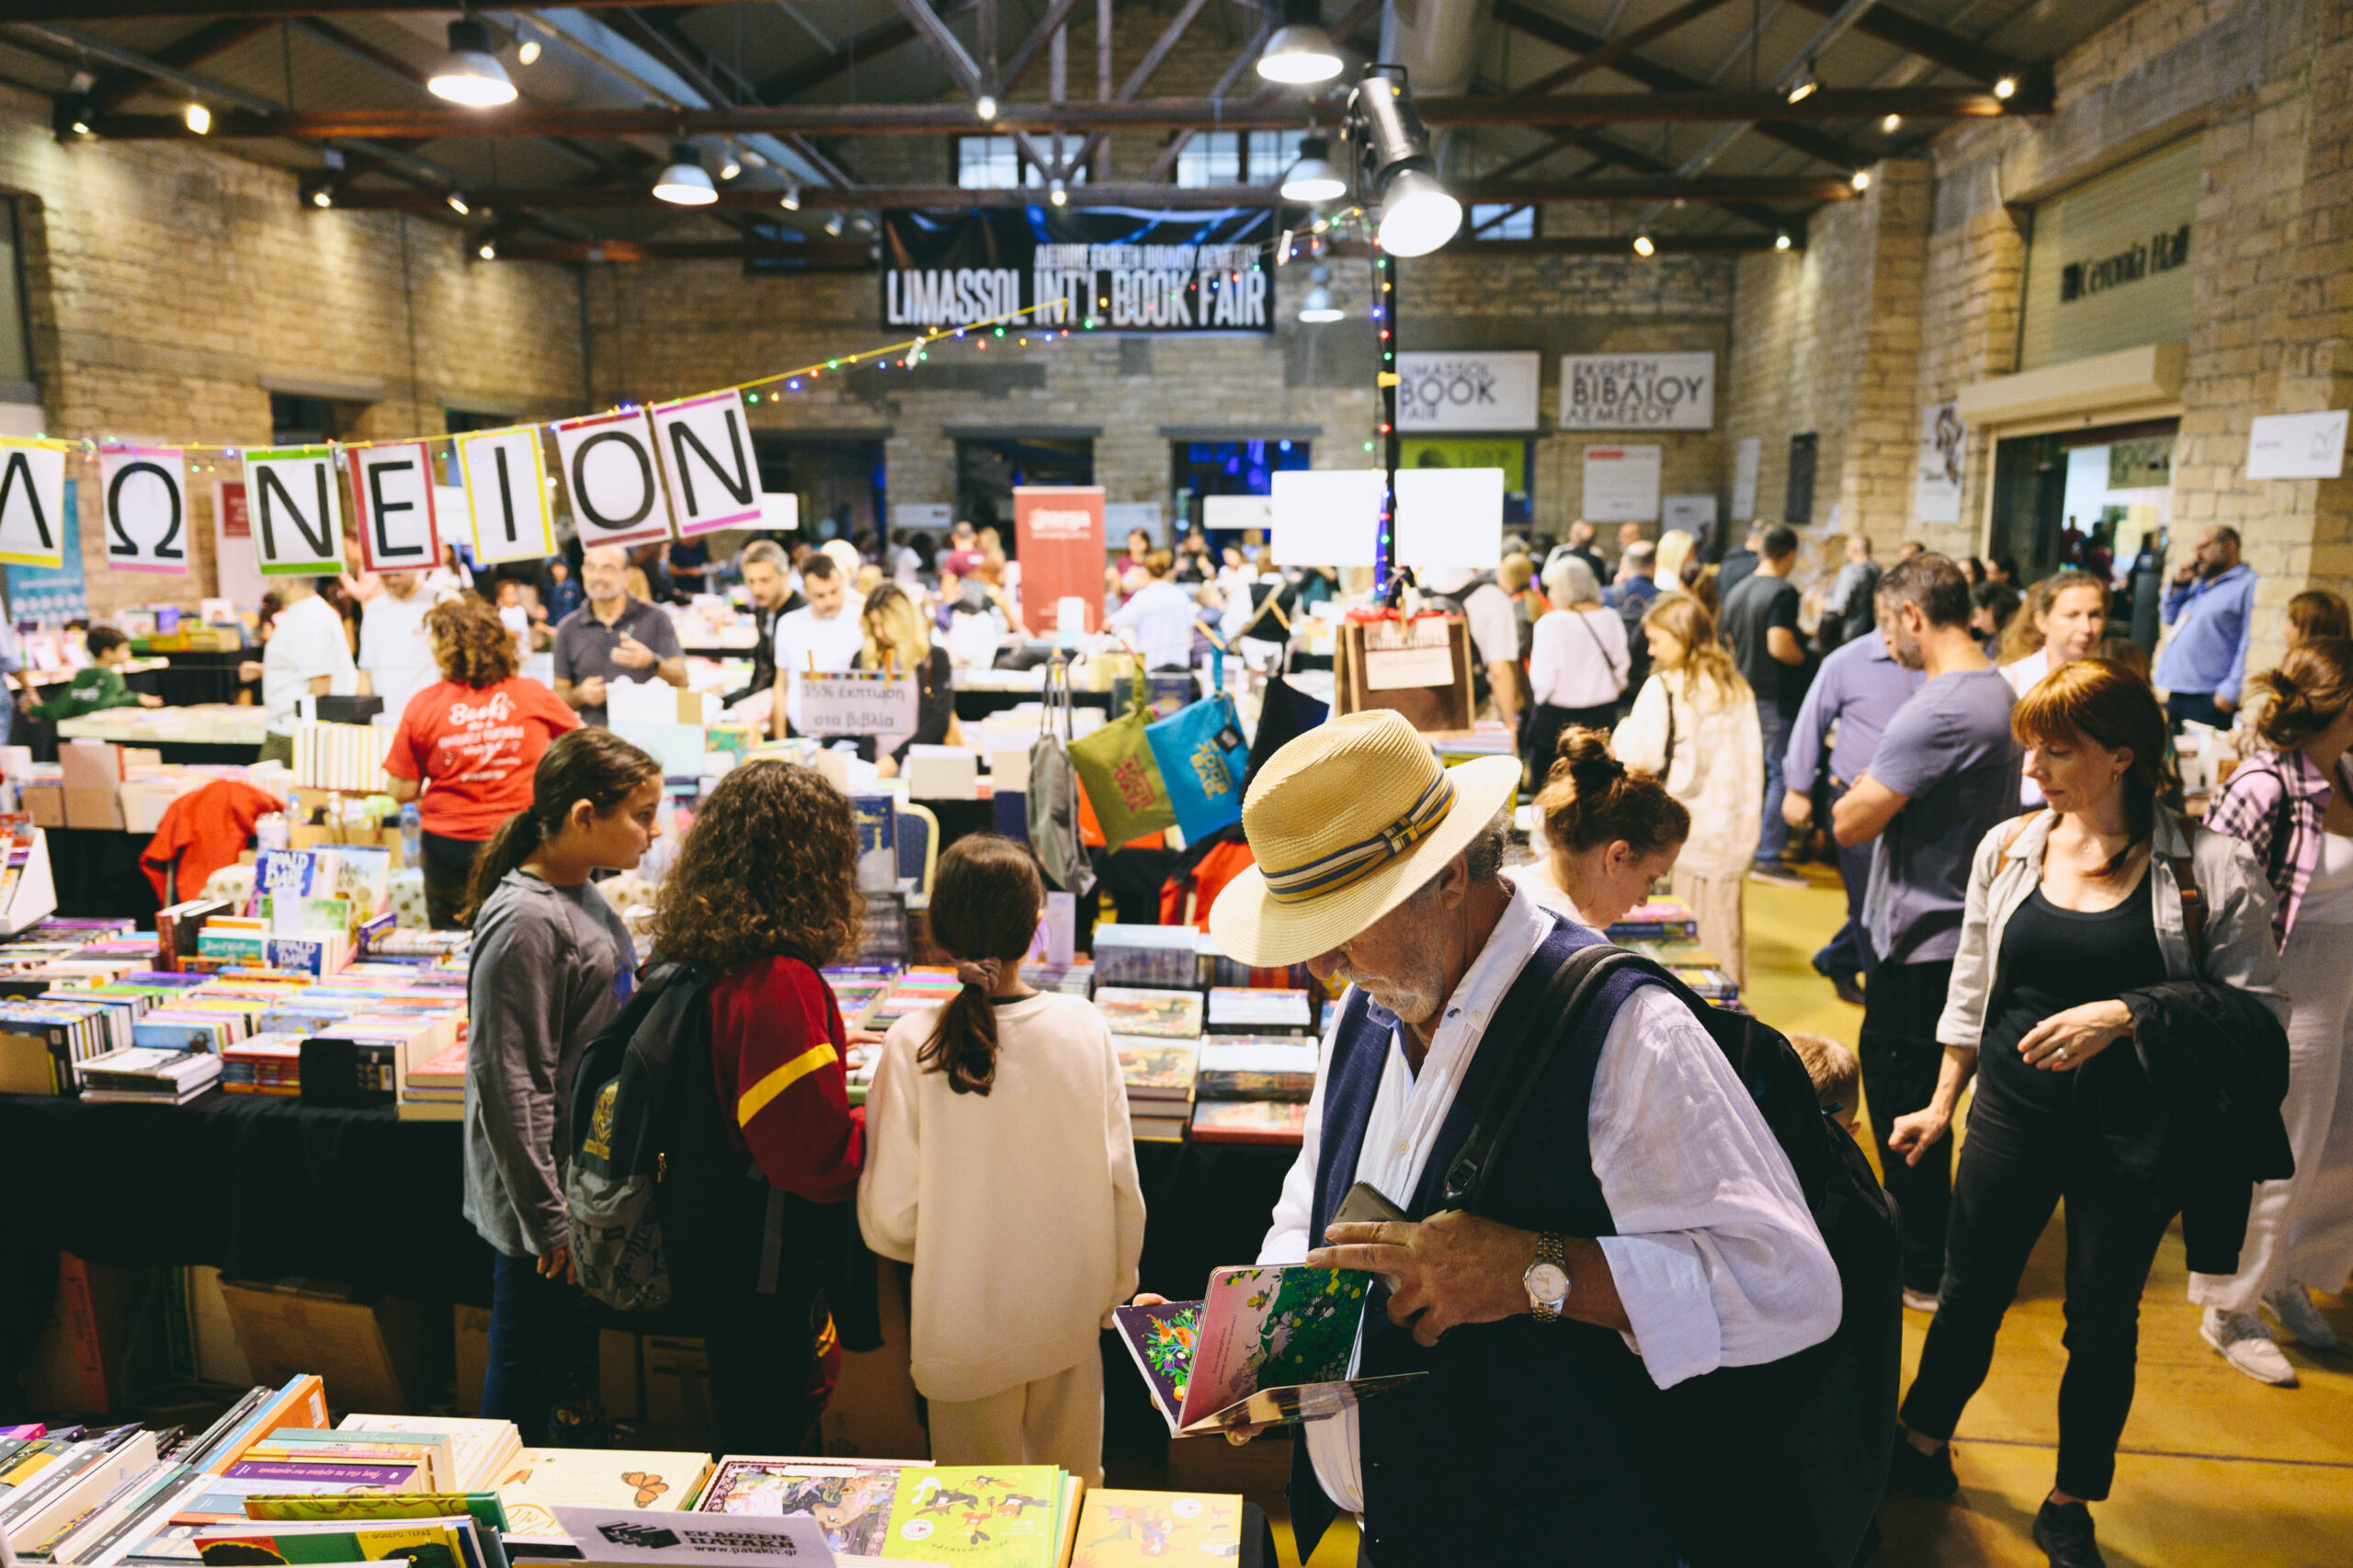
pixel 2060 496
pixel 838 478
pixel 989 467
pixel 1201 469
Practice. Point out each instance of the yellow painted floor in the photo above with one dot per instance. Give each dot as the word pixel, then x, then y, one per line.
pixel 2215 1469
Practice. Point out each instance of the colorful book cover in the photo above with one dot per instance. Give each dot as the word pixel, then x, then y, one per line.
pixel 975 1517
pixel 1163 1015
pixel 540 1480
pixel 1250 1122
pixel 423 1544
pixel 851 1503
pixel 1161 1337
pixel 1156 1069
pixel 484 1507
pixel 1138 1529
pixel 1257 1067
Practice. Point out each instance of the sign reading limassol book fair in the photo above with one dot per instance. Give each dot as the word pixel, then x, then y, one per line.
pixel 1638 391
pixel 1127 269
pixel 1467 391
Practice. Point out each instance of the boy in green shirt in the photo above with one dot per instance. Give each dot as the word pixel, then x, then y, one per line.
pixel 100 686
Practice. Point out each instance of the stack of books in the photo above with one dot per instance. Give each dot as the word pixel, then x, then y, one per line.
pixel 434 1090
pixel 1004 1515
pixel 146 1075
pixel 265 1063
pixel 1147 955
pixel 1240 1010
pixel 923 986
pixel 1254 1089
pixel 482 1451
pixel 1659 919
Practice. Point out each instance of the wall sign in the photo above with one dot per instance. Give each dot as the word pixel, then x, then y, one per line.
pixel 1127 270
pixel 1693 515
pixel 144 491
pixel 1936 483
pixel 392 500
pixel 1467 391
pixel 2109 264
pixel 1621 485
pixel 1747 452
pixel 614 478
pixel 2297 445
pixel 1797 498
pixel 298 526
pixel 1638 391
pixel 881 703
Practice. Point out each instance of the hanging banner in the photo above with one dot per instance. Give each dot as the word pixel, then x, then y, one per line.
pixel 506 494
pixel 705 446
pixel 58 592
pixel 392 499
pixel 614 478
pixel 1127 269
pixel 1467 391
pixel 1058 538
pixel 1936 488
pixel 33 503
pixel 298 532
pixel 145 493
pixel 1638 391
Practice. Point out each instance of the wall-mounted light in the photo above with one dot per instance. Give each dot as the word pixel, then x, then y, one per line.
pixel 198 119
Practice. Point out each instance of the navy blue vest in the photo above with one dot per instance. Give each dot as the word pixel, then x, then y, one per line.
pixel 1513 1451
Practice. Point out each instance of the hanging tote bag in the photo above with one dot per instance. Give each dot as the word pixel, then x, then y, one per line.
pixel 1203 759
pixel 1052 803
pixel 1123 782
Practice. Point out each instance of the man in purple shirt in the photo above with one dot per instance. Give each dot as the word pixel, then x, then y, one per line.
pixel 1856 692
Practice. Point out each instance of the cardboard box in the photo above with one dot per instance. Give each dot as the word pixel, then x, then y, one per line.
pixel 678 1383
pixel 45 803
pixel 100 809
pixel 365 1352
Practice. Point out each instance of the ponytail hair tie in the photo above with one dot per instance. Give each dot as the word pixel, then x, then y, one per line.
pixel 982 972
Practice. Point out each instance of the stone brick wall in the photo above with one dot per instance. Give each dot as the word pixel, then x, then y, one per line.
pixel 167 285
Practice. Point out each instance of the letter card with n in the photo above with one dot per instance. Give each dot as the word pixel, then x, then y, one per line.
pixel 707 452
pixel 506 494
pixel 297 530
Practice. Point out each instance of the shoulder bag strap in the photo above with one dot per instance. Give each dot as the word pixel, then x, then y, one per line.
pixel 2017 830
pixel 1531 1051
pixel 1608 662
pixel 2193 905
pixel 1667 767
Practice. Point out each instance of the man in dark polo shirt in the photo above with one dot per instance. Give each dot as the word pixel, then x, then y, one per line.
pixel 612 637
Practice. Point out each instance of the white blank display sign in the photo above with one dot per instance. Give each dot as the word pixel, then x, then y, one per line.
pixel 1621 485
pixel 1451 516
pixel 1327 516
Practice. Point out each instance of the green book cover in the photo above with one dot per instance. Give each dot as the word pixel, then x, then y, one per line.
pixel 979 1516
pixel 484 1506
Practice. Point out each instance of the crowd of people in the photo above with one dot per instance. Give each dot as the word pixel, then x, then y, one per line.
pixel 2146 1008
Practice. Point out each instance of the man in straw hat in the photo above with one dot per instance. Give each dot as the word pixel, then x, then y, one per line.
pixel 1640 1192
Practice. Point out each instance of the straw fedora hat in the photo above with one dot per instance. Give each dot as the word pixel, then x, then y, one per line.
pixel 1346 822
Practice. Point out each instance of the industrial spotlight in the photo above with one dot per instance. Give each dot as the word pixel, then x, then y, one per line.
pixel 472 75
pixel 834 224
pixel 1645 245
pixel 686 182
pixel 790 200
pixel 1806 86
pixel 1316 306
pixel 199 118
pixel 1301 52
pixel 487 250
pixel 1780 239
pixel 1891 124
pixel 458 204
pixel 1861 179
pixel 527 52
pixel 863 222
pixel 1417 214
pixel 732 165
pixel 1313 179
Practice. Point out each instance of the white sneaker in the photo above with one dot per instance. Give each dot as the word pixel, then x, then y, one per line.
pixel 2247 1344
pixel 1919 1301
pixel 2302 1321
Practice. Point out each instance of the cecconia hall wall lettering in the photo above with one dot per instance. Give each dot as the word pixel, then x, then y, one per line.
pixel 2106 263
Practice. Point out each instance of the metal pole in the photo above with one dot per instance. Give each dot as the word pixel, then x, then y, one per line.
pixel 1384 321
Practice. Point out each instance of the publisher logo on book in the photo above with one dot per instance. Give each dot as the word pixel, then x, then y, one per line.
pixel 646 1537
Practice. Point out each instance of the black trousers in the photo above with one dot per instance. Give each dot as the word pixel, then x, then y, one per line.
pixel 448 863
pixel 2016 1163
pixel 766 1391
pixel 1900 1058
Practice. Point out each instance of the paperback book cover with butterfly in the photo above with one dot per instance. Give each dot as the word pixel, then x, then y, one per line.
pixel 538 1480
pixel 1264 1347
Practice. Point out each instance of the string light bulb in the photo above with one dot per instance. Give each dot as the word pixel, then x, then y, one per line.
pixel 1861 180
pixel 487 250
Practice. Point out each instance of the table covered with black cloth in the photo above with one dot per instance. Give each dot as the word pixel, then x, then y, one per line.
pixel 96 873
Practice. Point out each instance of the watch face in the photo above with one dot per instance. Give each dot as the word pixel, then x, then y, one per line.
pixel 1548 1284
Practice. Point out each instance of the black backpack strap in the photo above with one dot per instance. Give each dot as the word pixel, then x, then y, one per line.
pixel 1530 1051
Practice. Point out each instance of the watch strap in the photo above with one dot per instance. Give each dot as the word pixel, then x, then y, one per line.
pixel 1552 1248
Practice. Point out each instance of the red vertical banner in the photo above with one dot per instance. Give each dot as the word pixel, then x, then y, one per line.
pixel 1058 536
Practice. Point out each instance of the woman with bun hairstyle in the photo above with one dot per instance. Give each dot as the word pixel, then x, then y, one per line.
pixel 2293 807
pixel 2068 912
pixel 1000 1163
pixel 763 892
pixel 1610 833
pixel 1694 725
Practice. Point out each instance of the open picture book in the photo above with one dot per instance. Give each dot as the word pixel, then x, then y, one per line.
pixel 1264 1347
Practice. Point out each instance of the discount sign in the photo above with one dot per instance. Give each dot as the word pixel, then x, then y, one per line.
pixel 881 703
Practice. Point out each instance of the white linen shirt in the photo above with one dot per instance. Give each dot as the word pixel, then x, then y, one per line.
pixel 1161 615
pixel 1576 658
pixel 1716 1259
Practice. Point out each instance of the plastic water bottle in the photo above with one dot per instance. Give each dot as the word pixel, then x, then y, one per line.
pixel 412 836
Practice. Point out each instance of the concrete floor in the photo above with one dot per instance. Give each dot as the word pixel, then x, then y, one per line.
pixel 2216 1468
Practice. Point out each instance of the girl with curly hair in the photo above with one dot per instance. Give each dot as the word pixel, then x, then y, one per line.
pixel 763 892
pixel 1004 1102
pixel 467 745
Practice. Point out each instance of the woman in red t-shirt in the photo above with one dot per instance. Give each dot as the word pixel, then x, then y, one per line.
pixel 468 744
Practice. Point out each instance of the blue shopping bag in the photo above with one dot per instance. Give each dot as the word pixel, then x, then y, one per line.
pixel 1203 756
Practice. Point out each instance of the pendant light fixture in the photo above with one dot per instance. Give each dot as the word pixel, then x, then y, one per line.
pixel 1313 178
pixel 685 182
pixel 1316 307
pixel 1301 52
pixel 471 74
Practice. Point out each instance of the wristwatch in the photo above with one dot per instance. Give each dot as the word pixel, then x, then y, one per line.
pixel 1547 1279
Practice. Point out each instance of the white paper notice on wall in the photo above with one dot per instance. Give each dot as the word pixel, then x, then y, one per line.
pixel 1327 516
pixel 2297 445
pixel 707 457
pixel 1694 515
pixel 33 503
pixel 1451 516
pixel 1746 454
pixel 144 490
pixel 392 500
pixel 1229 512
pixel 858 702
pixel 614 479
pixel 506 494
pixel 297 524
pixel 1936 488
pixel 1621 485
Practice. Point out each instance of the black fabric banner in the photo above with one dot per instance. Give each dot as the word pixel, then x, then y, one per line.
pixel 1125 268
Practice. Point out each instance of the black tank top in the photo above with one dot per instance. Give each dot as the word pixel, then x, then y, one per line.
pixel 2054 959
